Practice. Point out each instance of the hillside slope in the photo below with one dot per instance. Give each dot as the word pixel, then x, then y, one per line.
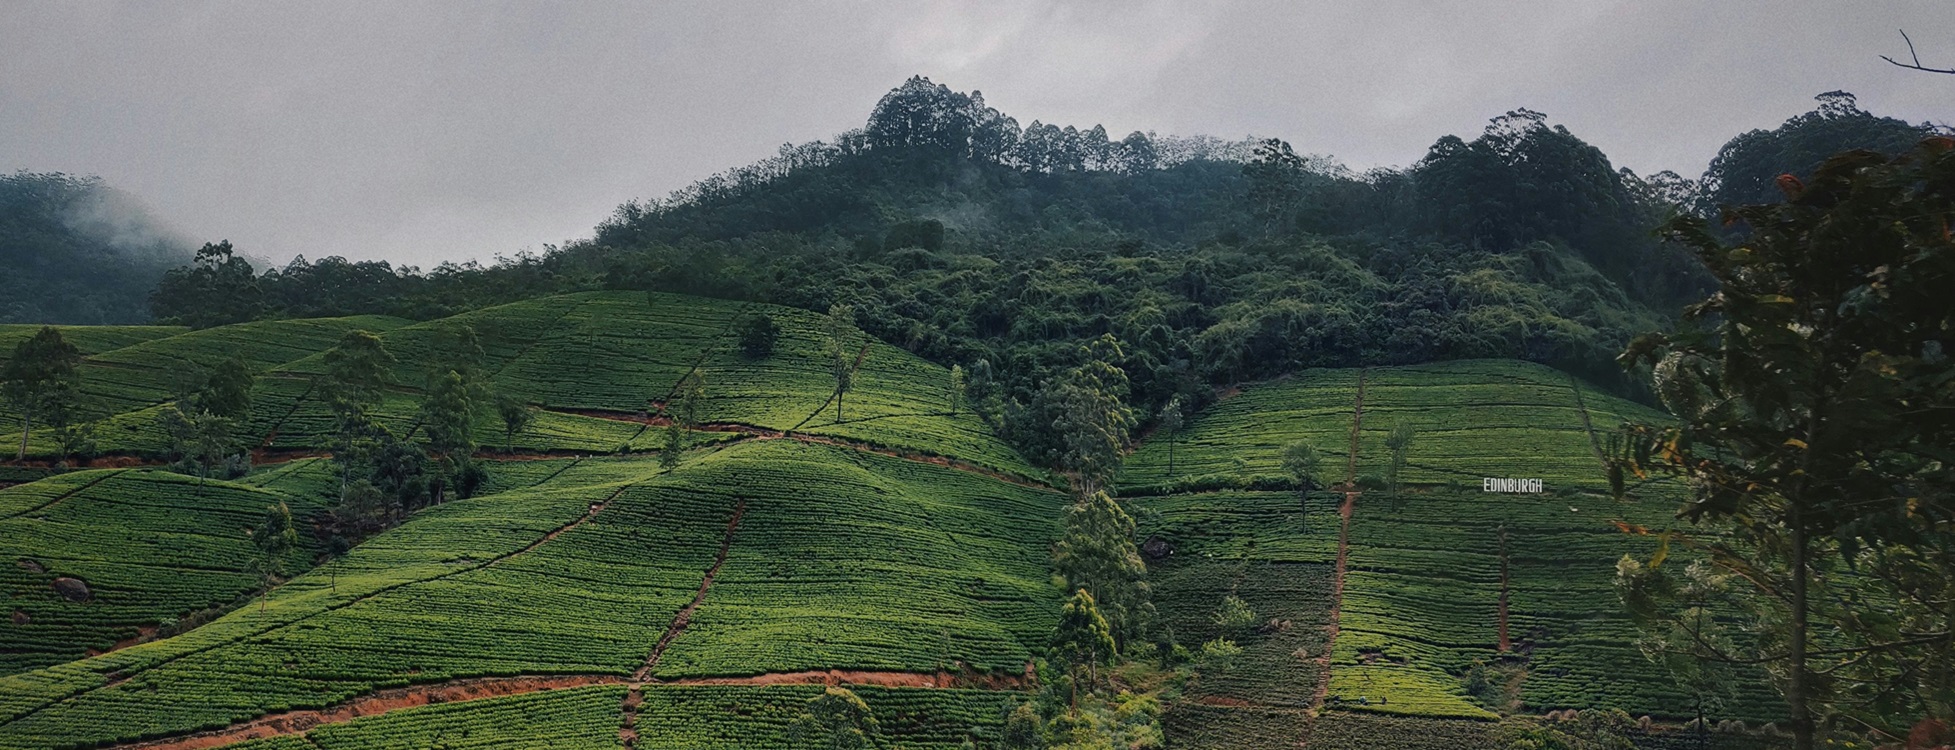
pixel 1438 601
pixel 600 365
pixel 78 251
pixel 588 573
pixel 594 600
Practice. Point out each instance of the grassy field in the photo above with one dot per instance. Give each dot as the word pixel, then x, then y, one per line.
pixel 484 587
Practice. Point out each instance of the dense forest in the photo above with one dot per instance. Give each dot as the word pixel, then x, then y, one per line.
pixel 77 251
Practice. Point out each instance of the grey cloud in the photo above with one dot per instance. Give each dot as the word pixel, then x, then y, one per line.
pixel 448 131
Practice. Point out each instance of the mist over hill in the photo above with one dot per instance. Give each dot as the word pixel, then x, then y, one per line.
pixel 78 251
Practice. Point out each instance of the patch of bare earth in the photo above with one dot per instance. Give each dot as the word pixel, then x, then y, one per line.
pixel 299 722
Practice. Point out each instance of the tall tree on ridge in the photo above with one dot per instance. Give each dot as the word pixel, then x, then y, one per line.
pixel 1172 421
pixel 1301 462
pixel 841 345
pixel 42 367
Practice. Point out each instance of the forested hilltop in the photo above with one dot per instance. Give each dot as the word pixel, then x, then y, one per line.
pixel 959 234
pixel 77 251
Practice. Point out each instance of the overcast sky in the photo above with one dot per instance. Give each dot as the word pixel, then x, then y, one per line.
pixel 422 132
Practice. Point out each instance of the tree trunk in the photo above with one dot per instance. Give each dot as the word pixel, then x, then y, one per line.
pixel 26 425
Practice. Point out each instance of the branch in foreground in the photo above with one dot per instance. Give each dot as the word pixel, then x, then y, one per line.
pixel 1917 59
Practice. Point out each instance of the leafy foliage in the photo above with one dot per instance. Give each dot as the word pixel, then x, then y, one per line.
pixel 1097 555
pixel 219 288
pixel 836 720
pixel 1812 403
pixel 39 378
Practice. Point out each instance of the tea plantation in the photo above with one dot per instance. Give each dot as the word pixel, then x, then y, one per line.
pixel 899 543
pixel 609 354
pixel 1431 571
pixel 583 573
pixel 145 546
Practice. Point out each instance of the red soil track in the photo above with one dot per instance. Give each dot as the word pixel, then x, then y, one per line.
pixel 299 722
pixel 481 688
pixel 1336 602
pixel 1344 512
pixel 1505 644
pixel 628 731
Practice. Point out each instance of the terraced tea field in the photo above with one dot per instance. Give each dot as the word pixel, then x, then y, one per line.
pixel 127 369
pixel 89 340
pixel 1481 418
pixel 562 578
pixel 1423 602
pixel 1442 580
pixel 1279 558
pixel 699 718
pixel 670 718
pixel 588 596
pixel 146 547
pixel 631 351
pixel 1239 442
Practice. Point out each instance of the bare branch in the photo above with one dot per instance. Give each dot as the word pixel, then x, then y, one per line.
pixel 1917 59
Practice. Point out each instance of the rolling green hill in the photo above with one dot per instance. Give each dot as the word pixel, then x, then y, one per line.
pixel 1454 603
pixel 630 349
pixel 148 546
pixel 587 594
pixel 583 573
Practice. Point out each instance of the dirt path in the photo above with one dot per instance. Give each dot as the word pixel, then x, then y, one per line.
pixel 1357 420
pixel 272 434
pixel 372 704
pixel 1351 493
pixel 628 732
pixel 144 634
pixel 301 721
pixel 1594 441
pixel 1336 603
